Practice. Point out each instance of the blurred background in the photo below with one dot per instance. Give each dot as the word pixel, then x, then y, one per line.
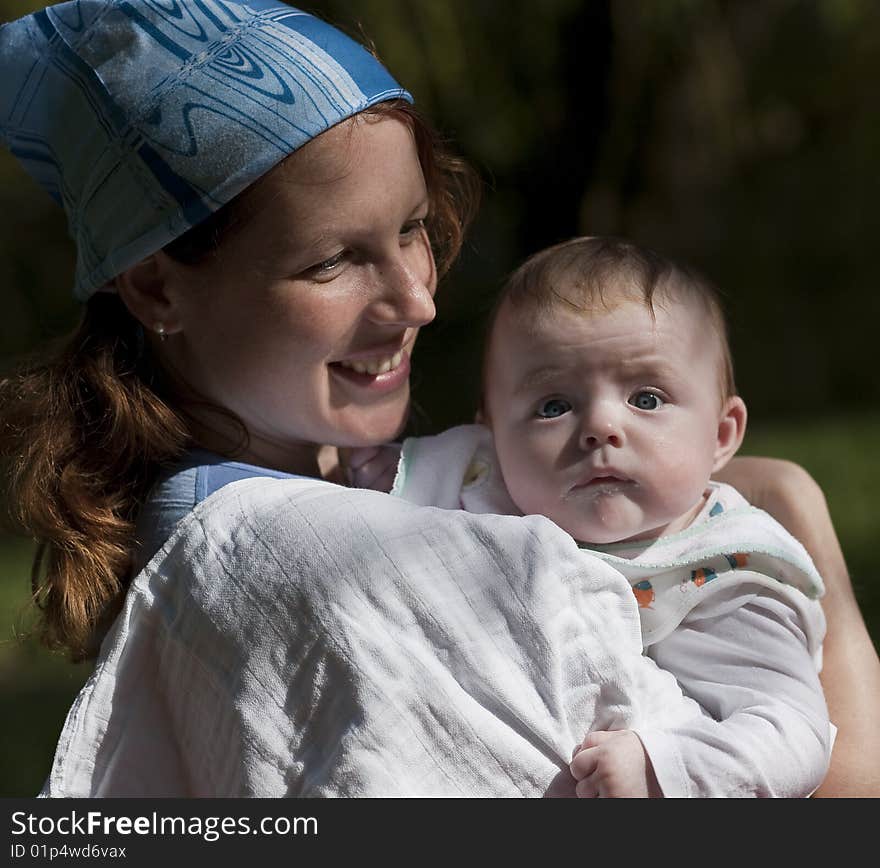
pixel 742 137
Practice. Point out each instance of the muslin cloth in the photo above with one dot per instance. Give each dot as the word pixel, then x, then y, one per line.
pixel 296 638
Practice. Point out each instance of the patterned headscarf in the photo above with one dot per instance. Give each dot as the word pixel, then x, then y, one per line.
pixel 142 117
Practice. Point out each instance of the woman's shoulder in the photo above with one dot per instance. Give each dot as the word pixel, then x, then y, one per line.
pixel 213 472
pixel 198 475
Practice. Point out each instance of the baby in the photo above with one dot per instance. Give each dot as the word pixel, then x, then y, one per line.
pixel 608 403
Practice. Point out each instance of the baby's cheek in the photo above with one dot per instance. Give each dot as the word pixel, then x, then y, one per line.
pixel 527 483
pixel 680 479
pixel 529 493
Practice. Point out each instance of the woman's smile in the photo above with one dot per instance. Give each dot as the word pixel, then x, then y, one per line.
pixel 377 374
pixel 338 338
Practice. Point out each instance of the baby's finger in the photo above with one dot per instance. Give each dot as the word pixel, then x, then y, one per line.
pixel 587 789
pixel 386 481
pixel 371 472
pixel 356 458
pixel 599 736
pixel 584 763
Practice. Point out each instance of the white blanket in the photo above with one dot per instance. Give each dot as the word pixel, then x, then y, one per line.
pixel 297 638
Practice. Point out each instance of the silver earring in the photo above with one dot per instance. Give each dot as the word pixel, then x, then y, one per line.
pixel 160 330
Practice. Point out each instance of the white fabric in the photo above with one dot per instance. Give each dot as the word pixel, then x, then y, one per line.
pixel 456 469
pixel 297 638
pixel 729 542
pixel 746 643
pixel 743 657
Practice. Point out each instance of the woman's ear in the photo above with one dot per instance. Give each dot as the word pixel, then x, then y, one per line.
pixel 731 430
pixel 143 289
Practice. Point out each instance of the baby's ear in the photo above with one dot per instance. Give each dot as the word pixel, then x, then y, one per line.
pixel 731 430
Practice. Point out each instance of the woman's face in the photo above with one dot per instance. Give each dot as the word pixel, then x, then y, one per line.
pixel 304 322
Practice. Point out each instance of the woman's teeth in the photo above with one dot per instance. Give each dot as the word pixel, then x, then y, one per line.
pixel 375 366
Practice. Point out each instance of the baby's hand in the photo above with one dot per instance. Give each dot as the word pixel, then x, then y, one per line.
pixel 614 765
pixel 371 466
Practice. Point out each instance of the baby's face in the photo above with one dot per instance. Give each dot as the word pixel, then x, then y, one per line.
pixel 607 422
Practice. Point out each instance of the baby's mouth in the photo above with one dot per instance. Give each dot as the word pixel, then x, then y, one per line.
pixel 601 482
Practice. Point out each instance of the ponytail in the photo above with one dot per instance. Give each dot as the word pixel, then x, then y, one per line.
pixel 83 437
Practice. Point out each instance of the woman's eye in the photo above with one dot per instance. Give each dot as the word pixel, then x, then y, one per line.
pixel 413 227
pixel 332 262
pixel 553 408
pixel 327 267
pixel 646 401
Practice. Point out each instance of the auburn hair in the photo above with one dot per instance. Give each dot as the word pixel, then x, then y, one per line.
pixel 86 430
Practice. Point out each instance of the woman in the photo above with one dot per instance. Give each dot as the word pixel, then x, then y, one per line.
pixel 261 220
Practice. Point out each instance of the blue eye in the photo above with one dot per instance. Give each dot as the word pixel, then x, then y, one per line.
pixel 646 401
pixel 553 408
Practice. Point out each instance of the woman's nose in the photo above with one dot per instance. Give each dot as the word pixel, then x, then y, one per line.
pixel 601 427
pixel 404 294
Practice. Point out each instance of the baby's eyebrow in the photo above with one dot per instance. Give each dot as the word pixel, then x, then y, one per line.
pixel 539 376
pixel 637 364
pixel 648 367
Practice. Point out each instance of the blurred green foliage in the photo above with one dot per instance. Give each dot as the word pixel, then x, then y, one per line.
pixel 739 135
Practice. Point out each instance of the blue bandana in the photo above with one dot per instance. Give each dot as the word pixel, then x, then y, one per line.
pixel 142 117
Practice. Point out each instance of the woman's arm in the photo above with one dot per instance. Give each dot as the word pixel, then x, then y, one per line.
pixel 851 669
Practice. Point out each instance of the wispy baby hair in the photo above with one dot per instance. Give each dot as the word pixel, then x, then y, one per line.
pixel 597 272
